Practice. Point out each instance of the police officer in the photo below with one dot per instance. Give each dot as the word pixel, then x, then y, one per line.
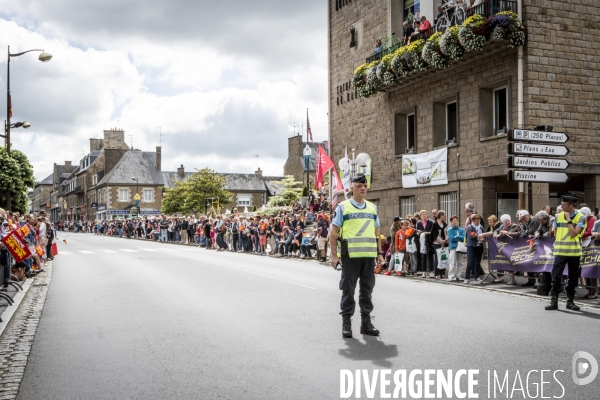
pixel 569 226
pixel 356 223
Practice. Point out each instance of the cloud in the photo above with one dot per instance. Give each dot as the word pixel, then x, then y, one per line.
pixel 222 80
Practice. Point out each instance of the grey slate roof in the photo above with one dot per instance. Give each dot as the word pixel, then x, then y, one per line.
pixel 49 180
pixel 93 157
pixel 234 182
pixel 137 164
pixel 169 178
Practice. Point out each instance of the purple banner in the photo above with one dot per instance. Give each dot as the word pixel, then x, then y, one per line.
pixel 523 255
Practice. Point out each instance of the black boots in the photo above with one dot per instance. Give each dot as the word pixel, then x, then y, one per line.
pixel 346 326
pixel 571 305
pixel 366 327
pixel 553 304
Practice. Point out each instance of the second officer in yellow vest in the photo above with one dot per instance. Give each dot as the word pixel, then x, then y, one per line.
pixel 356 224
pixel 569 226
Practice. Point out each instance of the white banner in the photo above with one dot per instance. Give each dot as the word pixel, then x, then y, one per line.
pixel 425 169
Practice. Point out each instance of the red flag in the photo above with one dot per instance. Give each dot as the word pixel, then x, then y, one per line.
pixel 338 182
pixel 324 164
pixel 308 128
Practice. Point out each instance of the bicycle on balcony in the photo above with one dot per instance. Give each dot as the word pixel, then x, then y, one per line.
pixel 454 14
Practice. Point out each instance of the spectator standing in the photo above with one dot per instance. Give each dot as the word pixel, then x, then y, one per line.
pixel 474 248
pixel 322 230
pixel 455 235
pixel 424 227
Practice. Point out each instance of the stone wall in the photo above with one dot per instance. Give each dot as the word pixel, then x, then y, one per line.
pixel 560 89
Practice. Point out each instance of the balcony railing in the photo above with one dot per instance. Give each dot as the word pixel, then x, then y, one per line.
pixel 487 8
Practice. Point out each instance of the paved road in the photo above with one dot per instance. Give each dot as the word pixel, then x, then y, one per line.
pixel 128 319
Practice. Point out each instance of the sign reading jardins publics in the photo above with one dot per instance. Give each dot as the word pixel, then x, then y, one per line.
pixel 522 154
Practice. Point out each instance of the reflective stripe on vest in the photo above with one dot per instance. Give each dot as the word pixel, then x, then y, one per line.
pixel 358 228
pixel 565 245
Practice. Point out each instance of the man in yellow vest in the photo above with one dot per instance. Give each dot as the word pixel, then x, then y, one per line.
pixel 569 226
pixel 356 223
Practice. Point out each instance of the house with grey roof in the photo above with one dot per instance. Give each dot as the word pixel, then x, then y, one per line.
pixel 249 190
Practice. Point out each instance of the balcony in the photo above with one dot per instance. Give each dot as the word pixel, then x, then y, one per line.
pixel 486 9
pixel 436 49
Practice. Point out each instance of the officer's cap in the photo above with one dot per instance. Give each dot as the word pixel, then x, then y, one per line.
pixel 567 198
pixel 360 178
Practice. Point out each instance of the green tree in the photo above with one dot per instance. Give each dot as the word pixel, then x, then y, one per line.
pixel 16 177
pixel 292 190
pixel 193 194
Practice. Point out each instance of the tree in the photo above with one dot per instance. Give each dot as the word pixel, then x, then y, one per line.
pixel 292 190
pixel 193 194
pixel 16 177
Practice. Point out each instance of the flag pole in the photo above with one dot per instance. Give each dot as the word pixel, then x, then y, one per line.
pixel 307 168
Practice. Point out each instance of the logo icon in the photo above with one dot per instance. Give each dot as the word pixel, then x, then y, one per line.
pixel 584 363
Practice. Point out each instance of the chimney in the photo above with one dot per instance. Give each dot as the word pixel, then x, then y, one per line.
pixel 96 144
pixel 181 171
pixel 158 158
pixel 68 167
pixel 258 173
pixel 115 139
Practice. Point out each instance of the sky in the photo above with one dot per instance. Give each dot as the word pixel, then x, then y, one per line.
pixel 223 81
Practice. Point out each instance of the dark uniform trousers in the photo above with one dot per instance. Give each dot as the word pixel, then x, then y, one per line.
pixel 352 270
pixel 558 268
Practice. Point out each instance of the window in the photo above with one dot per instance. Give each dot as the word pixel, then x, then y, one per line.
pixel 407 206
pixel 94 179
pixel 500 110
pixel 494 109
pixel 244 200
pixel 449 203
pixel 445 121
pixel 451 122
pixel 412 10
pixel 405 127
pixel 123 195
pixel 148 195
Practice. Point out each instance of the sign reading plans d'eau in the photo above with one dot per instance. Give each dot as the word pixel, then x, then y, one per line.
pixel 538 149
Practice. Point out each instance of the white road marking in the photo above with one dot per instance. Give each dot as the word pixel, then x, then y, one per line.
pixel 109 251
pixel 145 249
pixel 129 250
pixel 86 252
pixel 250 272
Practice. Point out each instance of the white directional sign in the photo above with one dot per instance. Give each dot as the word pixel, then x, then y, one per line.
pixel 535 162
pixel 537 136
pixel 537 176
pixel 547 150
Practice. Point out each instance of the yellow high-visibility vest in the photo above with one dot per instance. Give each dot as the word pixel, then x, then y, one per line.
pixel 358 228
pixel 564 244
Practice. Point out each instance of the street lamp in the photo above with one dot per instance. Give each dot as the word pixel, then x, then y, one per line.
pixel 137 194
pixel 44 57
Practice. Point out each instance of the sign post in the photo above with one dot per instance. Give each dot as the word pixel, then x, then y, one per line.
pixel 532 150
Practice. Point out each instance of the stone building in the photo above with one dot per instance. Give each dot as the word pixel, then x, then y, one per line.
pixel 468 107
pixel 41 195
pixel 294 165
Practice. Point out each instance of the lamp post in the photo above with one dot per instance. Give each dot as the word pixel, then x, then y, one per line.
pixel 44 57
pixel 136 198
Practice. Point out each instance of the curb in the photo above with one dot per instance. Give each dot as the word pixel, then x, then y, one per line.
pixel 500 290
pixel 10 311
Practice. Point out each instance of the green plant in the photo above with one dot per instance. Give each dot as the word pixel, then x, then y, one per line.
pixel 305 191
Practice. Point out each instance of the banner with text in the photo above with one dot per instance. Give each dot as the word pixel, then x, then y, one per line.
pixel 524 255
pixel 16 246
pixel 425 169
